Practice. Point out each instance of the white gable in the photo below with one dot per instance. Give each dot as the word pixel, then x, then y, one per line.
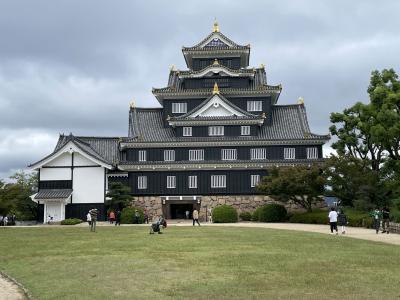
pixel 216 107
pixel 217 38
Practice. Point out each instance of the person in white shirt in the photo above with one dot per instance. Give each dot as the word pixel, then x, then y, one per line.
pixel 333 220
pixel 89 219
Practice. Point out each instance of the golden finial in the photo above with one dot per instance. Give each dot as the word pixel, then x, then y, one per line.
pixel 216 90
pixel 132 104
pixel 262 66
pixel 216 27
pixel 216 62
pixel 263 115
pixel 300 101
pixel 172 68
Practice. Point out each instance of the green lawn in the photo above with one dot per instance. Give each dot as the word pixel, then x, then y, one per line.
pixel 197 263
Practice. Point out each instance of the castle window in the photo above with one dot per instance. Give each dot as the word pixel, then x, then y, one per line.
pixel 254 105
pixel 187 131
pixel 171 182
pixel 228 154
pixel 215 130
pixel 255 179
pixel 258 153
pixel 179 108
pixel 142 182
pixel 142 155
pixel 197 154
pixel 218 181
pixel 169 155
pixel 245 130
pixel 289 153
pixel 192 182
pixel 312 153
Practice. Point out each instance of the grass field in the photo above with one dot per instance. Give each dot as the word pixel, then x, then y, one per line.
pixel 197 263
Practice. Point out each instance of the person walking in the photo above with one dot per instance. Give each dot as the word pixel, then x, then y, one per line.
pixel 146 216
pixel 342 218
pixel 376 216
pixel 111 217
pixel 89 219
pixel 195 217
pixel 118 218
pixel 385 220
pixel 333 220
pixel 93 214
pixel 187 213
pixel 5 220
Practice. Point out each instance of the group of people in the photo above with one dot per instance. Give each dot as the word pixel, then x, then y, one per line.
pixel 335 218
pixel 7 220
pixel 115 216
pixel 381 216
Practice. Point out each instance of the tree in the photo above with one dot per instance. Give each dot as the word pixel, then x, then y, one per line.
pixel 300 184
pixel 119 195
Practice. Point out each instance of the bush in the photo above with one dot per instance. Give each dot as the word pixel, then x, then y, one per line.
pixel 224 214
pixel 256 214
pixel 272 213
pixel 128 213
pixel 245 216
pixel 395 216
pixel 71 221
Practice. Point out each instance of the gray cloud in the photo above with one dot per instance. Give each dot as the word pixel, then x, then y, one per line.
pixel 73 66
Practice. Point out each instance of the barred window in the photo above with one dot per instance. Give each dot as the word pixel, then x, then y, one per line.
pixel 312 153
pixel 215 130
pixel 218 181
pixel 142 155
pixel 228 154
pixel 245 130
pixel 169 155
pixel 179 108
pixel 192 182
pixel 142 182
pixel 258 153
pixel 197 154
pixel 289 153
pixel 254 105
pixel 187 131
pixel 171 182
pixel 255 179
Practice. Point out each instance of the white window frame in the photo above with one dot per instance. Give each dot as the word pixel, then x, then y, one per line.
pixel 244 130
pixel 196 154
pixel 192 182
pixel 254 105
pixel 169 155
pixel 142 155
pixel 289 153
pixel 216 130
pixel 312 153
pixel 228 154
pixel 171 182
pixel 187 131
pixel 179 107
pixel 142 182
pixel 255 179
pixel 218 181
pixel 258 153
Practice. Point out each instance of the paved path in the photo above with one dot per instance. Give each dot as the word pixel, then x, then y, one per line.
pixel 9 290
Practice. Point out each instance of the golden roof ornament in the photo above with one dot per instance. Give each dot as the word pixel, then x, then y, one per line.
pixel 216 62
pixel 300 101
pixel 262 66
pixel 216 90
pixel 216 27
pixel 132 104
pixel 172 68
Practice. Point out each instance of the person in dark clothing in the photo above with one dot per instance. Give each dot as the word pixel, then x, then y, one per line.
pixel 376 215
pixel 385 220
pixel 136 217
pixel 93 214
pixel 342 219
pixel 146 217
pixel 118 218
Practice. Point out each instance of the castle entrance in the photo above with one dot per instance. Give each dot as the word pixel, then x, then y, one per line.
pixel 175 207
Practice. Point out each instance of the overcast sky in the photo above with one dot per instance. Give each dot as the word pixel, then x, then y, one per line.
pixel 74 66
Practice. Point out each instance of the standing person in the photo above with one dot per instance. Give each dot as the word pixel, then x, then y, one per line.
pixel 136 217
pixel 385 220
pixel 93 215
pixel 146 216
pixel 112 217
pixel 195 217
pixel 187 214
pixel 118 218
pixel 5 220
pixel 333 220
pixel 1 220
pixel 89 219
pixel 342 218
pixel 210 215
pixel 376 215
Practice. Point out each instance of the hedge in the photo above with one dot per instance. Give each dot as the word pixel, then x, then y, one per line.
pixel 245 216
pixel 71 221
pixel 256 214
pixel 128 213
pixel 272 213
pixel 224 214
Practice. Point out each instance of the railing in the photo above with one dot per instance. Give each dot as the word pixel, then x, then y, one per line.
pixel 394 227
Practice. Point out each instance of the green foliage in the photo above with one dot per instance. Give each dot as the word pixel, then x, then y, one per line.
pixel 256 214
pixel 224 214
pixel 128 213
pixel 395 215
pixel 245 216
pixel 300 184
pixel 72 221
pixel 272 213
pixel 119 194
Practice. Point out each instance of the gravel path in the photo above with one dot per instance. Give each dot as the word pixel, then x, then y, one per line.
pixel 10 290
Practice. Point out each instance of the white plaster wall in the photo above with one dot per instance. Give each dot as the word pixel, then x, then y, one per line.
pixel 88 185
pixel 55 174
pixel 63 160
pixel 80 160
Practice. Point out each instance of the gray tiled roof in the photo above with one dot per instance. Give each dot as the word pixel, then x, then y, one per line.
pixel 53 194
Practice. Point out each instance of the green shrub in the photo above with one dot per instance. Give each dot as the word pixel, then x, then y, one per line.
pixel 128 213
pixel 245 216
pixel 272 213
pixel 256 214
pixel 224 214
pixel 395 216
pixel 71 221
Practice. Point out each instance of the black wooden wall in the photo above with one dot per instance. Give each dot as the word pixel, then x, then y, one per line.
pixel 230 62
pixel 223 82
pixel 229 130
